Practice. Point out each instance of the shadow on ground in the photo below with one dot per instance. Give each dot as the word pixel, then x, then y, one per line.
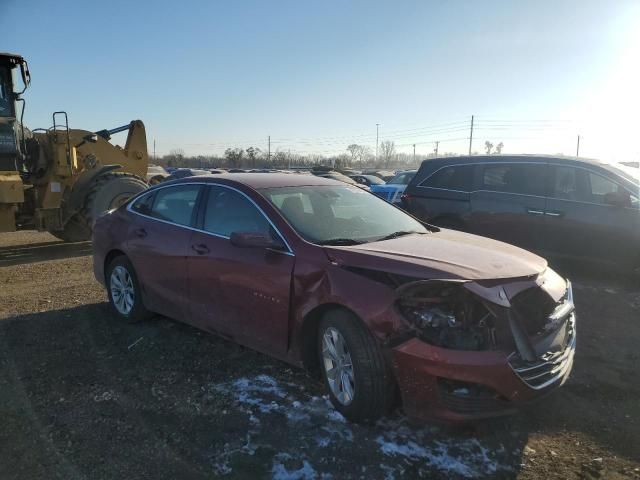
pixel 41 252
pixel 83 395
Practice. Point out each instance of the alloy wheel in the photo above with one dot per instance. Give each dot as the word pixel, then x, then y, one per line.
pixel 338 366
pixel 122 291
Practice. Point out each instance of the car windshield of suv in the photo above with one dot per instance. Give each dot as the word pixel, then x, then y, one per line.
pixel 340 215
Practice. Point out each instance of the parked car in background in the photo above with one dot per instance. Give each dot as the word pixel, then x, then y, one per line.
pixel 367 180
pixel 563 206
pixel 385 175
pixel 217 171
pixel 335 175
pixel 393 189
pixel 156 174
pixel 320 274
pixel 186 172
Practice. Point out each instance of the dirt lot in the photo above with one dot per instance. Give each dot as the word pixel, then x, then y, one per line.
pixel 83 395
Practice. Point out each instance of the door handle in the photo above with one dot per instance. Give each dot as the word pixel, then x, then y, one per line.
pixel 200 248
pixel 554 214
pixel 140 232
pixel 534 212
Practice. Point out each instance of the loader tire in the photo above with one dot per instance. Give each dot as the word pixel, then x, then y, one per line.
pixel 108 191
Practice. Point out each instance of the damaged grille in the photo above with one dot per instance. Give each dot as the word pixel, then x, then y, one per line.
pixel 553 364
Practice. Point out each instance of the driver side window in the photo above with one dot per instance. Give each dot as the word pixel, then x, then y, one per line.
pixel 228 211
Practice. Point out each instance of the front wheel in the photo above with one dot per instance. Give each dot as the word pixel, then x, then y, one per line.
pixel 354 369
pixel 123 287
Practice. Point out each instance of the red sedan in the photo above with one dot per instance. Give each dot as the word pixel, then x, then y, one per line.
pixel 327 276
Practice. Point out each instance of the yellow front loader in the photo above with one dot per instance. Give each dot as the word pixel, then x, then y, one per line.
pixel 60 179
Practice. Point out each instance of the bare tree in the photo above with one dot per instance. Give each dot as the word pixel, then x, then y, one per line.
pixel 499 148
pixel 175 158
pixel 253 153
pixel 234 156
pixel 387 151
pixel 359 153
pixel 488 146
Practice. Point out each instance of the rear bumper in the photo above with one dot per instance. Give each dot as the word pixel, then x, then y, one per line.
pixel 461 386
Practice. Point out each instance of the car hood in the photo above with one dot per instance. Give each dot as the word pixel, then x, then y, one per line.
pixel 446 254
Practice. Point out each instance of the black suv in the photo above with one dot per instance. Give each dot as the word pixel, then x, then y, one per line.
pixel 557 205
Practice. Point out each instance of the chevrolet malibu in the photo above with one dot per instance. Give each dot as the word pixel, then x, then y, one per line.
pixel 327 276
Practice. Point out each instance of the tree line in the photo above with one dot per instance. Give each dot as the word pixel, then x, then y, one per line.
pixel 354 156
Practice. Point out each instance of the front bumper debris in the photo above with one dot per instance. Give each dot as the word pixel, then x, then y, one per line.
pixel 457 386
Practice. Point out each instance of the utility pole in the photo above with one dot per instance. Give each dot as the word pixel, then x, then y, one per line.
pixel 269 151
pixel 414 153
pixel 578 147
pixel 154 150
pixel 377 125
pixel 471 135
pixel 436 149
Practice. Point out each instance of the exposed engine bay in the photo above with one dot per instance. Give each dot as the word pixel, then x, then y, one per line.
pixel 464 315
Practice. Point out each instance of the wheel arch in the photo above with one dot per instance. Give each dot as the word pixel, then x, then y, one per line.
pixel 308 335
pixel 109 257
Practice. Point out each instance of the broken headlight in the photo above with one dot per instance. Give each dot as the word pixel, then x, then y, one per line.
pixel 446 315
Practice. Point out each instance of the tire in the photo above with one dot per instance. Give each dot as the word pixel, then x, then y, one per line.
pixel 108 191
pixel 373 390
pixel 128 307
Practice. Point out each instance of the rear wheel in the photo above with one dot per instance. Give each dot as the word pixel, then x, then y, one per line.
pixel 123 287
pixel 107 192
pixel 354 369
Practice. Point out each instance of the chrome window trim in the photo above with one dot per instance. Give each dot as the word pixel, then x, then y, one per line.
pixel 188 227
pixel 420 185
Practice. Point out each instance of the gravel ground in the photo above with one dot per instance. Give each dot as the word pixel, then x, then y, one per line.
pixel 83 395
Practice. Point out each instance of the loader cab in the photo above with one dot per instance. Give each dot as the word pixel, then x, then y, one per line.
pixel 7 107
pixel 11 152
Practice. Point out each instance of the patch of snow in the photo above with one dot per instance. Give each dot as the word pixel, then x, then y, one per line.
pixel 280 472
pixel 315 425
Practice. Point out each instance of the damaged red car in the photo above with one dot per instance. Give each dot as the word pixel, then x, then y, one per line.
pixel 327 276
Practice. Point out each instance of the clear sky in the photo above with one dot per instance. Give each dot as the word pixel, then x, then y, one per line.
pixel 318 75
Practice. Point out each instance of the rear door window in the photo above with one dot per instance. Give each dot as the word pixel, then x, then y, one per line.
pixel 456 177
pixel 519 178
pixel 176 204
pixel 228 211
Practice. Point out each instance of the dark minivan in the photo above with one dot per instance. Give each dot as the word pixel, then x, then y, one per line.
pixel 562 206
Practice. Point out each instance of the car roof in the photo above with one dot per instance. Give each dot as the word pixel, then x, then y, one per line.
pixel 264 180
pixel 516 158
pixel 431 164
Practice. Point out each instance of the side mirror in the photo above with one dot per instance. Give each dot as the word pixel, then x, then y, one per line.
pixel 254 240
pixel 618 199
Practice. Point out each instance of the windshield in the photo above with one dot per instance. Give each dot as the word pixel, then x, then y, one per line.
pixel 402 178
pixel 6 95
pixel 630 173
pixel 340 214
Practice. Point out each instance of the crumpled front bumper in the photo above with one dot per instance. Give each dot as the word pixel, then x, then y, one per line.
pixel 458 386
